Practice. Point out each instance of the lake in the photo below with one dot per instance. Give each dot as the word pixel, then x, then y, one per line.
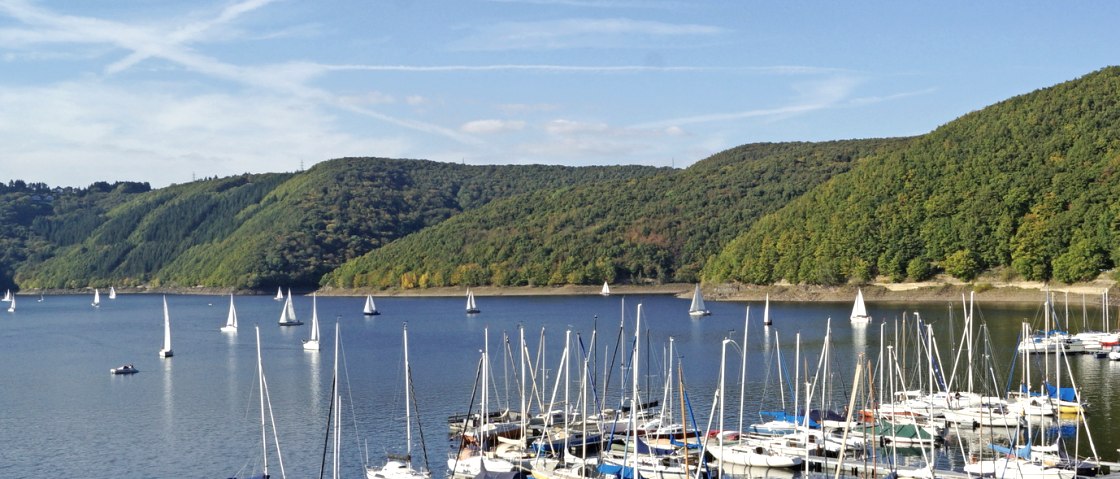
pixel 197 414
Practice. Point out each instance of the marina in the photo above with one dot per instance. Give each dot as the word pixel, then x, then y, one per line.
pixel 198 411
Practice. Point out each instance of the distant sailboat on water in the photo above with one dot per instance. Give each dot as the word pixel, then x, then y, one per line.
pixel 279 294
pixel 12 307
pixel 698 309
pixel 96 298
pixel 166 351
pixel 606 291
pixel 288 313
pixel 472 308
pixel 312 343
pixel 7 296
pixel 766 321
pixel 112 293
pixel 231 318
pixel 370 309
pixel 859 310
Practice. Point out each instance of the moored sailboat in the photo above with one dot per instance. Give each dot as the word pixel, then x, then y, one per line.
pixel 288 313
pixel 697 308
pixel 859 310
pixel 96 298
pixel 472 308
pixel 606 291
pixel 166 351
pixel 401 467
pixel 231 318
pixel 312 343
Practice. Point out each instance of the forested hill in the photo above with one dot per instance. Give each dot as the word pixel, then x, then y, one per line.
pixel 1028 186
pixel 656 228
pixel 259 231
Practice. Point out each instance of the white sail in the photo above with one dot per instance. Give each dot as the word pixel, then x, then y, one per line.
pixel 231 318
pixel 370 308
pixel 312 343
pixel 12 307
pixel 606 291
pixel 766 312
pixel 859 310
pixel 279 294
pixel 166 351
pixel 698 308
pixel 288 313
pixel 96 298
pixel 7 296
pixel 112 293
pixel 471 306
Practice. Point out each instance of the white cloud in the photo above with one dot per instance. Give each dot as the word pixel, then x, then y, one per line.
pixel 569 127
pixel 492 126
pixel 82 133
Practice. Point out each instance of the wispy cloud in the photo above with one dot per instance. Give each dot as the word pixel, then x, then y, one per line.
pixel 492 126
pixel 144 43
pixel 578 33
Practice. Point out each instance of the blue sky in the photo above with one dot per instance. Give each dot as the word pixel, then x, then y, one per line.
pixel 163 91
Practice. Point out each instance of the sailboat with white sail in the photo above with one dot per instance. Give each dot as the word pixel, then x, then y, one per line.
pixel 370 309
pixel 112 293
pixel 12 307
pixel 312 343
pixel 7 296
pixel 96 298
pixel 766 321
pixel 231 318
pixel 606 291
pixel 472 308
pixel 859 310
pixel 166 351
pixel 288 313
pixel 401 467
pixel 697 308
pixel 279 294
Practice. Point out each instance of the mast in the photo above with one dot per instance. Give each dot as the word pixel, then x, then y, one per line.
pixel 260 378
pixel 407 399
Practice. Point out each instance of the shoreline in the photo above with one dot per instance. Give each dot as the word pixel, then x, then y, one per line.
pixel 940 290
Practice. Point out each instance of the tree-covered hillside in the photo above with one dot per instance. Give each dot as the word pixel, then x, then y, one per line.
pixel 257 231
pixel 1026 184
pixel 657 228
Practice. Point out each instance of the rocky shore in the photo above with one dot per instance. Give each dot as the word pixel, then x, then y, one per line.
pixel 940 289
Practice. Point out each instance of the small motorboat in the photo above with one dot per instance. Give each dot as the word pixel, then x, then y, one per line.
pixel 126 369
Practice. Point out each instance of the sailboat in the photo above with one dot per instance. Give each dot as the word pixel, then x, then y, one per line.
pixel 370 309
pixel 766 321
pixel 7 296
pixel 312 343
pixel 112 293
pixel 472 308
pixel 166 351
pixel 231 319
pixel 279 294
pixel 40 297
pixel 697 309
pixel 859 310
pixel 288 313
pixel 12 307
pixel 401 467
pixel 606 291
pixel 264 399
pixel 96 298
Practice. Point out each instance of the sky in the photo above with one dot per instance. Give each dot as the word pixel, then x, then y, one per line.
pixel 168 91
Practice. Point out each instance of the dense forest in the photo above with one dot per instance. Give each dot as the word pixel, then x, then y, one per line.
pixel 1025 187
pixel 259 231
pixel 659 228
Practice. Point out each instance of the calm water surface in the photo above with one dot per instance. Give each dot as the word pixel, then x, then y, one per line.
pixel 196 414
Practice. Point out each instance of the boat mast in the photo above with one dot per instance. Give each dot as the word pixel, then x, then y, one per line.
pixel 260 378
